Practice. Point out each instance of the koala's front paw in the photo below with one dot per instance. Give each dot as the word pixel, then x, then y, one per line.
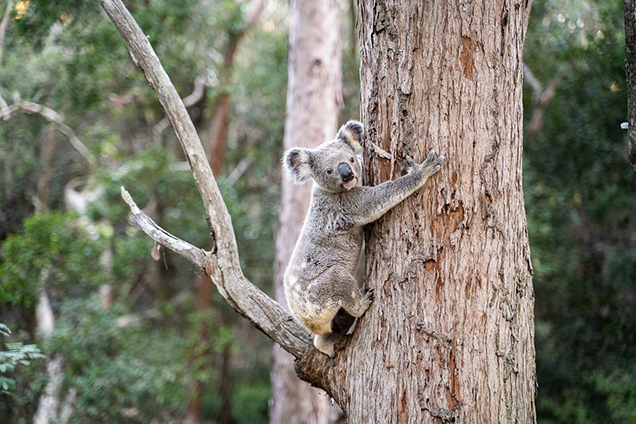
pixel 367 298
pixel 432 164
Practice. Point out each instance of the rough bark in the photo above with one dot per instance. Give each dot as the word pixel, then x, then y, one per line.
pixel 313 104
pixel 629 10
pixel 449 337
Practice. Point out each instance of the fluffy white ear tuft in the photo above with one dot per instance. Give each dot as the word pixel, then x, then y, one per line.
pixel 351 133
pixel 296 164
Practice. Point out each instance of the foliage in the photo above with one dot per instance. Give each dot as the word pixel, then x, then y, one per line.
pixel 52 250
pixel 131 355
pixel 580 195
pixel 123 373
pixel 16 354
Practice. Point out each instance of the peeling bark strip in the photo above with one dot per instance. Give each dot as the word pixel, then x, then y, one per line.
pixel 222 264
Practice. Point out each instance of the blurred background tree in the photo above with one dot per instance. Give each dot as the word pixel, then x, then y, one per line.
pixel 128 328
pixel 580 198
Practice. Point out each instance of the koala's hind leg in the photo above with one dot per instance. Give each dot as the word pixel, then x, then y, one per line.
pixel 326 342
pixel 339 286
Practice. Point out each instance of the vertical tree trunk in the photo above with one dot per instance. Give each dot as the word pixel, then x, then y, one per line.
pixel 313 104
pixel 450 335
pixel 629 11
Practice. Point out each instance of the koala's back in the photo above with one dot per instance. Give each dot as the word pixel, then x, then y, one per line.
pixel 327 238
pixel 327 241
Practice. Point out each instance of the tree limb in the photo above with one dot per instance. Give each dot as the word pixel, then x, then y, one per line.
pixel 542 97
pixel 51 116
pixel 629 11
pixel 222 263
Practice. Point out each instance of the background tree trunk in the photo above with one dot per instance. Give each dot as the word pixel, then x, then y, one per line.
pixel 450 336
pixel 629 11
pixel 220 122
pixel 313 105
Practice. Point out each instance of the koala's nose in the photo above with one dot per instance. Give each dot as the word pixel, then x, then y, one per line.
pixel 345 172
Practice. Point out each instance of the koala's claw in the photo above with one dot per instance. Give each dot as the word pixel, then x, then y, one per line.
pixel 369 295
pixel 431 154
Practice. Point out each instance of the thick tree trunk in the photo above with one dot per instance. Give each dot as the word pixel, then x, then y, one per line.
pixel 450 336
pixel 313 105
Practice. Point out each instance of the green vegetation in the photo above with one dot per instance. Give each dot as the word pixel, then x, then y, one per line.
pixel 580 198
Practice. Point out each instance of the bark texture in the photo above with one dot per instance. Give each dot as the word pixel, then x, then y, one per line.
pixel 313 106
pixel 452 326
pixel 450 336
pixel 629 10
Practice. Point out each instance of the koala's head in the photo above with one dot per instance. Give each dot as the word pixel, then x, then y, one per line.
pixel 334 165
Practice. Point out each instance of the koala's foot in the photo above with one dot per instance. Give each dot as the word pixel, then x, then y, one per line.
pixel 325 343
pixel 358 305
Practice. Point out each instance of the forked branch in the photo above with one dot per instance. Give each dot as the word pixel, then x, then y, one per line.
pixel 222 263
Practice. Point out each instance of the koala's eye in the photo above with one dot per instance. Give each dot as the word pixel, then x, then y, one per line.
pixel 329 171
pixel 351 160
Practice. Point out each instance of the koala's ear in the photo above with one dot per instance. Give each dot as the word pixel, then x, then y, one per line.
pixel 296 164
pixel 351 133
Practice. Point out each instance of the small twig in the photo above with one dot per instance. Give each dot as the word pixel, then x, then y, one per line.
pixel 200 83
pixel 380 151
pixel 51 116
pixel 161 236
pixel 240 169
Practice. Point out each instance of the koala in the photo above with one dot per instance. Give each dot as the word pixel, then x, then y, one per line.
pixel 320 284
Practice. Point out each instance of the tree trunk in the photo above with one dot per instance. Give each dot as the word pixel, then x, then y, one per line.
pixel 313 105
pixel 629 11
pixel 220 122
pixel 450 335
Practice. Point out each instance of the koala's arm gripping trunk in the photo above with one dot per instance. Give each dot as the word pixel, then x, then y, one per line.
pixel 378 200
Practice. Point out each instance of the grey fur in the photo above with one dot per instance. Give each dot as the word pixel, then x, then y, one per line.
pixel 319 280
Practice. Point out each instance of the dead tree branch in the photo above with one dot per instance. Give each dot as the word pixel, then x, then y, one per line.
pixel 51 116
pixel 541 96
pixel 222 263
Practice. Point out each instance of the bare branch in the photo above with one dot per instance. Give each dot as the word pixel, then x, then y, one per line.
pixel 267 315
pixel 541 96
pixel 222 264
pixel 200 83
pixel 254 11
pixel 51 116
pixel 158 234
pixel 531 79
